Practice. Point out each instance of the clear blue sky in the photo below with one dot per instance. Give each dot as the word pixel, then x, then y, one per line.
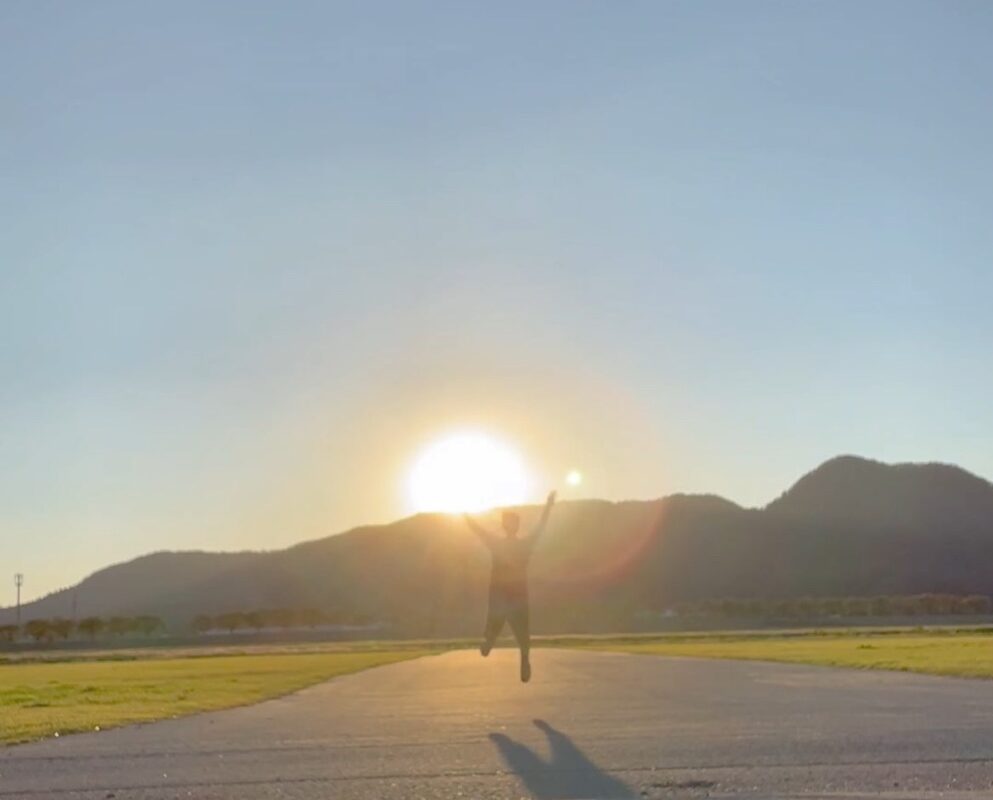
pixel 253 254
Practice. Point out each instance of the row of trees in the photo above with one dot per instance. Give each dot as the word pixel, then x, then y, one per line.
pixel 50 630
pixel 881 606
pixel 276 618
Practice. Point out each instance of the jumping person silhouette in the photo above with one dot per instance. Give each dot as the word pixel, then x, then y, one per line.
pixel 509 581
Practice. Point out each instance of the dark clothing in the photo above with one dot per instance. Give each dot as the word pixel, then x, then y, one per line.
pixel 509 576
pixel 520 624
pixel 509 587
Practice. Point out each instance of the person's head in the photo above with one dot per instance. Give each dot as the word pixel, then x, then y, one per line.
pixel 511 523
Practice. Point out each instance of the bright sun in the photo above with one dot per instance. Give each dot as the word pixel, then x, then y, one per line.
pixel 467 472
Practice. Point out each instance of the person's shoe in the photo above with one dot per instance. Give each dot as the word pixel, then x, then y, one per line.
pixel 485 648
pixel 525 671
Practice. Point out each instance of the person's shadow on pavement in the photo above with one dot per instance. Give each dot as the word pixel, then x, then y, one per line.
pixel 567 774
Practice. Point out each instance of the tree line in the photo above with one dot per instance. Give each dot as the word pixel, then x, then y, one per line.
pixel 58 628
pixel 880 606
pixel 276 618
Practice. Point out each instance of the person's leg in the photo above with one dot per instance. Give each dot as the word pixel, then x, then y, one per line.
pixel 520 624
pixel 494 624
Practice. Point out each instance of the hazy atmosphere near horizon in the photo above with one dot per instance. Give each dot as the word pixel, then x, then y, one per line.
pixel 255 260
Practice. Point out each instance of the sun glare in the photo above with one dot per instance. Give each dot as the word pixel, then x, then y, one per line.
pixel 467 472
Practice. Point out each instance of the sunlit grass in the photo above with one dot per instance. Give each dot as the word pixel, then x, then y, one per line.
pixel 964 655
pixel 81 691
pixel 43 699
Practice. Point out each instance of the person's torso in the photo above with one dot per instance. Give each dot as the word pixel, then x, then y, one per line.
pixel 510 565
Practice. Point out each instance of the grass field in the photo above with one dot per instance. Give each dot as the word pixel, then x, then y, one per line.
pixel 44 693
pixel 44 699
pixel 963 654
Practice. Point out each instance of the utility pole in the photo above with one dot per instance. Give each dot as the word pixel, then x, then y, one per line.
pixel 18 582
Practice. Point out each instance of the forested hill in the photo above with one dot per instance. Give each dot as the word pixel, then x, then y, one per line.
pixel 849 527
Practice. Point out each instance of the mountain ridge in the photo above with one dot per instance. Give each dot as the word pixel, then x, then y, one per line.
pixel 850 526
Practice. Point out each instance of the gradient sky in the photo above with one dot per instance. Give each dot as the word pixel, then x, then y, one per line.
pixel 254 255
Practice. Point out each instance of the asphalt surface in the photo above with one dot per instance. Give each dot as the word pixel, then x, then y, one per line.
pixel 588 725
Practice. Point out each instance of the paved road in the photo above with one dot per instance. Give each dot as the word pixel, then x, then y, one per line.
pixel 588 725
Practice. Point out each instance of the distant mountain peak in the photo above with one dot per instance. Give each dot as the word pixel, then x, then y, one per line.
pixel 878 494
pixel 849 460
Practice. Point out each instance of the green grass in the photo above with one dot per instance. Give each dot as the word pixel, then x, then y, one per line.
pixel 966 654
pixel 44 699
pixel 42 694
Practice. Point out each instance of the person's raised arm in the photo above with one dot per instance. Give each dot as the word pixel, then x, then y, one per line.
pixel 485 536
pixel 540 527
